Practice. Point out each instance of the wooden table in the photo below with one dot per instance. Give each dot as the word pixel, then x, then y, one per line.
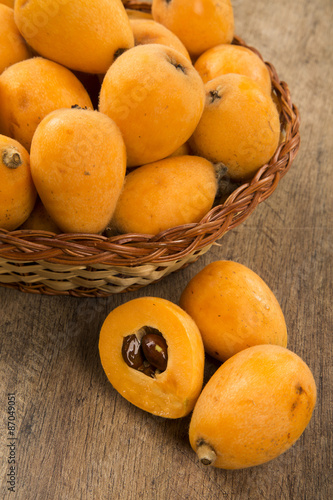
pixel 76 437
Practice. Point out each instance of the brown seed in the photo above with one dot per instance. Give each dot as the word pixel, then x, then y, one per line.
pixel 147 369
pixel 155 350
pixel 132 352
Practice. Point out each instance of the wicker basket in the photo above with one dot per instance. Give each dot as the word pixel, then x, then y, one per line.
pixel 86 265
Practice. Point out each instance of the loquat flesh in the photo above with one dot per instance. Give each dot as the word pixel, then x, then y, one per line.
pixel 170 390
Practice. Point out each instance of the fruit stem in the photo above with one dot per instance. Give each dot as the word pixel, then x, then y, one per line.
pixel 206 454
pixel 11 157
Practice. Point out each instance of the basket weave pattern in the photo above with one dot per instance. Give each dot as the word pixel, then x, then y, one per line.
pixel 86 265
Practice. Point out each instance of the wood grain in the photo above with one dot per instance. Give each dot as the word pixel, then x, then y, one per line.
pixel 76 437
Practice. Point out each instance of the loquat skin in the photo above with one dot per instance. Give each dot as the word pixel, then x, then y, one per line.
pixel 173 392
pixel 156 97
pixel 78 164
pixel 40 220
pixel 148 31
pixel 13 47
pixel 17 191
pixel 233 308
pixel 82 35
pixel 227 58
pixel 164 194
pixel 239 126
pixel 31 89
pixel 199 24
pixel 9 3
pixel 253 409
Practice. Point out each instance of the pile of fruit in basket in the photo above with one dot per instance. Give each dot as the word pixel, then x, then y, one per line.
pixel 112 120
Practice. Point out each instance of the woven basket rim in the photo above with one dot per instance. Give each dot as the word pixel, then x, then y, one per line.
pixel 174 244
